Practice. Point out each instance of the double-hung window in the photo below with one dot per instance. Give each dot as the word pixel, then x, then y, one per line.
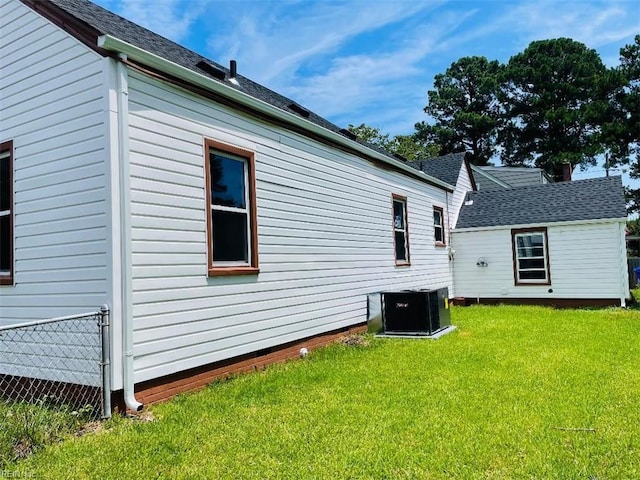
pixel 231 210
pixel 6 213
pixel 400 230
pixel 438 226
pixel 530 256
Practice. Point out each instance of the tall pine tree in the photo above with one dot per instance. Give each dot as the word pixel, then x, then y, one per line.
pixel 464 106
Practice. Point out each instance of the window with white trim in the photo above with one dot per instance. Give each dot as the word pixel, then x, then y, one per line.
pixel 400 230
pixel 438 225
pixel 530 256
pixel 6 213
pixel 232 236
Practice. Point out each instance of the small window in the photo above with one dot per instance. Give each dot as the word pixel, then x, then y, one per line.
pixel 6 213
pixel 231 219
pixel 400 230
pixel 438 226
pixel 531 257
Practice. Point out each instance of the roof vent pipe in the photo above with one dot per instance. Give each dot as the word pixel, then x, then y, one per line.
pixel 233 72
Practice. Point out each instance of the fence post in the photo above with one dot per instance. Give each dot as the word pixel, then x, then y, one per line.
pixel 105 362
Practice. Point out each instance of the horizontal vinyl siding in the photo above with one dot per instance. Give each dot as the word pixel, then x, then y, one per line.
pixel 324 225
pixel 52 107
pixel 584 263
pixel 463 185
pixel 58 351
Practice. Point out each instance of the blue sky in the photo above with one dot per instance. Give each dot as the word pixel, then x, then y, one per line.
pixel 373 61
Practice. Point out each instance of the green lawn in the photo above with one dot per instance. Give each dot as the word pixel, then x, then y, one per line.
pixel 515 392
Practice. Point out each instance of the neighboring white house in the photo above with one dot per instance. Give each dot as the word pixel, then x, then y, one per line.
pixel 215 217
pixel 558 244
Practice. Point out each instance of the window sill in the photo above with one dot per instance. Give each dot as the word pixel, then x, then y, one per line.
pixel 440 244
pixel 6 281
pixel 227 271
pixel 403 264
pixel 532 284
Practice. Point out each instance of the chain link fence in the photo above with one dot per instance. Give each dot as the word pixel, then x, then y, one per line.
pixel 61 363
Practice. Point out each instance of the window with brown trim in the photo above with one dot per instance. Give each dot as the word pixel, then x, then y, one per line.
pixel 232 236
pixel 438 226
pixel 6 213
pixel 530 256
pixel 400 230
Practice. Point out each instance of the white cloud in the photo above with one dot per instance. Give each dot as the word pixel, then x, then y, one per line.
pixel 378 88
pixel 272 39
pixel 596 24
pixel 330 60
pixel 170 18
pixel 373 61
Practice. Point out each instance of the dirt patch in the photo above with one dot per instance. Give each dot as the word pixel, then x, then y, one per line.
pixel 355 341
pixel 91 427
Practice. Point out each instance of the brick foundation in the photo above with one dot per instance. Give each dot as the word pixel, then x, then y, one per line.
pixel 164 388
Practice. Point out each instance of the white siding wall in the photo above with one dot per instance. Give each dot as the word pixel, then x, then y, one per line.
pixel 324 224
pixel 52 107
pixel 463 185
pixel 584 263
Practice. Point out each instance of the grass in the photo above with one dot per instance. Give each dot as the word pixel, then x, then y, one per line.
pixel 515 392
pixel 28 427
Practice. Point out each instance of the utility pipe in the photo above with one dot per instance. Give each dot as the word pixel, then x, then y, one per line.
pixel 105 361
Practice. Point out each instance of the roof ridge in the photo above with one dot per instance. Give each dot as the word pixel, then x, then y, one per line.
pixel 585 199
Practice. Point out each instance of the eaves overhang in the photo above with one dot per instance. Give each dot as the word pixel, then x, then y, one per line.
pixel 156 62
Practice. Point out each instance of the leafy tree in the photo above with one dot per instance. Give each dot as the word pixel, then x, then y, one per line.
pixel 412 148
pixel 553 95
pixel 464 105
pixel 408 146
pixel 633 246
pixel 370 135
pixel 621 131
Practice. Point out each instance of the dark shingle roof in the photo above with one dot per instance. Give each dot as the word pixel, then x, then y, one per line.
pixel 445 168
pixel 105 22
pixel 590 199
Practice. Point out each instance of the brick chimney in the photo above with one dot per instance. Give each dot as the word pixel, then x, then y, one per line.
pixel 567 169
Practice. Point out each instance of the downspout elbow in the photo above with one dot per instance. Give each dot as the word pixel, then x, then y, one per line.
pixel 131 403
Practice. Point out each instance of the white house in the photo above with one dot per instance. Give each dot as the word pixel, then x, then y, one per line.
pixel 219 220
pixel 556 244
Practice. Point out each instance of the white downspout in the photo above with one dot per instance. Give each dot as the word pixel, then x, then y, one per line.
pixel 624 278
pixel 449 245
pixel 125 235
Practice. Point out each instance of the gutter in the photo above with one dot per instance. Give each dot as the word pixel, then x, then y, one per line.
pixel 539 224
pixel 149 59
pixel 122 93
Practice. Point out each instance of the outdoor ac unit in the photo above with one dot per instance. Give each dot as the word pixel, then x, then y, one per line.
pixel 421 312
